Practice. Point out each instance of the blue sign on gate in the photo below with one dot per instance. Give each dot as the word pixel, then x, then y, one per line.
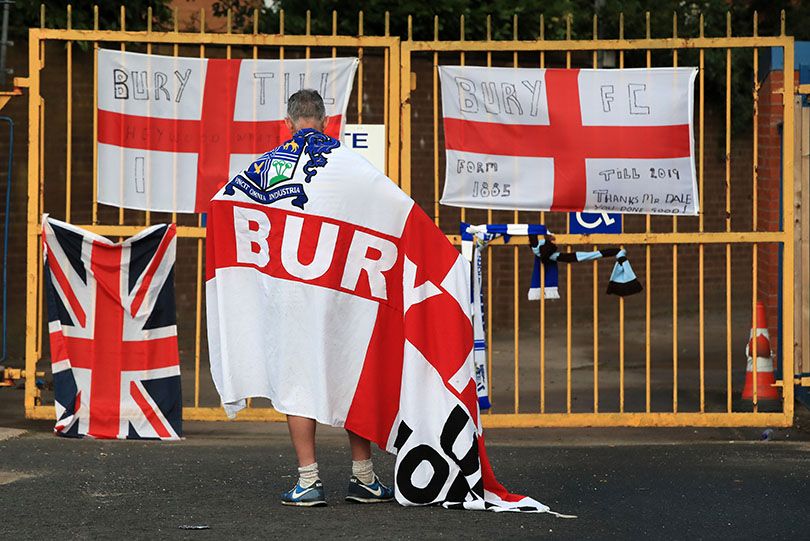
pixel 586 223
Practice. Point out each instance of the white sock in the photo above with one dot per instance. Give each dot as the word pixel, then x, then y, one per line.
pixel 363 470
pixel 307 475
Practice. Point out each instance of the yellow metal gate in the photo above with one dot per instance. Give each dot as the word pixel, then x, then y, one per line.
pixel 648 241
pixel 403 79
pixel 69 193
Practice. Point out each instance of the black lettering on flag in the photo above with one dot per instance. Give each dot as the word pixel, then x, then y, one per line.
pixel 120 88
pixel 453 427
pixel 412 460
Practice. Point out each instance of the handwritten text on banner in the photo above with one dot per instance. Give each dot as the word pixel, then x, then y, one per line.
pixel 570 140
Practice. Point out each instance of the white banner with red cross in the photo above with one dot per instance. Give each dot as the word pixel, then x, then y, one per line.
pixel 173 130
pixel 570 139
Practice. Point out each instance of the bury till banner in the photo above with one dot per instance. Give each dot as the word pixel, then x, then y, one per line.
pixel 570 139
pixel 173 130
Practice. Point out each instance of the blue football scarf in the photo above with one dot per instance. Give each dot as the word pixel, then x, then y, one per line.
pixel 622 281
pixel 474 238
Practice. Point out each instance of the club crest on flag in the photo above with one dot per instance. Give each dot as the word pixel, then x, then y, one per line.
pixel 277 166
pixel 260 181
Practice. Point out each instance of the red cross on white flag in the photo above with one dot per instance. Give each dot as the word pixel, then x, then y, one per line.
pixel 173 130
pixel 570 140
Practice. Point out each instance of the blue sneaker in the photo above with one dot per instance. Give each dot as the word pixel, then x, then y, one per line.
pixel 313 496
pixel 376 492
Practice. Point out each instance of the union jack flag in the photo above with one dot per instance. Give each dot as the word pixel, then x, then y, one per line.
pixel 113 332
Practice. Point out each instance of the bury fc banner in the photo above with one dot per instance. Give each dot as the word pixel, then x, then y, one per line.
pixel 570 139
pixel 336 297
pixel 172 130
pixel 113 332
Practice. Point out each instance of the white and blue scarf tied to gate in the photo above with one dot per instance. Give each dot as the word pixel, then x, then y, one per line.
pixel 474 238
pixel 622 282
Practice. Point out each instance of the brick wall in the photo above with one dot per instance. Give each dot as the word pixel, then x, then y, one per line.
pixel 771 116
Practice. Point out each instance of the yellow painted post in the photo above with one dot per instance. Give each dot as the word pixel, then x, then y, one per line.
pixel 307 32
pixel 542 37
pixel 648 276
pixel 228 25
pixel 788 209
pixel 489 257
pixel 515 274
pixel 394 83
pixel 621 299
pixel 198 278
pixel 436 123
pixel 568 338
pixel 360 70
pixel 754 197
pixel 386 85
pixel 334 31
pixel 32 230
pixel 568 267
pixel 281 32
pixel 675 266
pixel 148 213
pixel 95 120
pixel 69 120
pixel 728 218
pixel 595 266
pixel 41 190
pixel 123 17
pixel 463 211
pixel 803 331
pixel 175 53
pixel 405 109
pixel 701 292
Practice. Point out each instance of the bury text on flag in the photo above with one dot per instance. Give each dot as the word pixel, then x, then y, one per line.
pixel 570 139
pixel 173 130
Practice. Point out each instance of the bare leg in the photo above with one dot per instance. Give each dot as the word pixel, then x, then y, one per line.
pixel 365 486
pixel 302 433
pixel 361 447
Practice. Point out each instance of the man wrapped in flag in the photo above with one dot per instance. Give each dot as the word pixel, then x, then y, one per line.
pixel 332 294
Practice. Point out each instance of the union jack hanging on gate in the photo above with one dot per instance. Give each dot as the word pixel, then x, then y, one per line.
pixel 113 332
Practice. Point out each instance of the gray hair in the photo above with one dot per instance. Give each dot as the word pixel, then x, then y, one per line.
pixel 306 103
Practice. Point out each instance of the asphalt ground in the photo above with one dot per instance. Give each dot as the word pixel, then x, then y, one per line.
pixel 622 483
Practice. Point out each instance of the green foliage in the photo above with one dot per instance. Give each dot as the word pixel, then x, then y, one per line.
pixel 26 14
pixel 501 12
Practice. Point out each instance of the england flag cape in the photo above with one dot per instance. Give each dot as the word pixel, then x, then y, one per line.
pixel 332 294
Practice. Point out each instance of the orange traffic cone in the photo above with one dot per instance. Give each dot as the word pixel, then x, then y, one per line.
pixel 759 345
